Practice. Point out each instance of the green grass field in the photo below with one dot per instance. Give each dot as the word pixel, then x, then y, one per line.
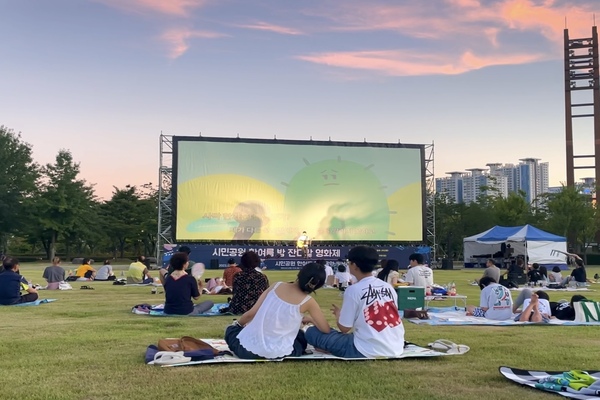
pixel 88 345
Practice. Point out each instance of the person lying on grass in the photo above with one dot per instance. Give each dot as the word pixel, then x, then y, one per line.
pixel 370 307
pixel 271 328
pixel 180 288
pixel 536 308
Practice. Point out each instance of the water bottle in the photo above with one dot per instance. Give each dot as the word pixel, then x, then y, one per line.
pixel 453 289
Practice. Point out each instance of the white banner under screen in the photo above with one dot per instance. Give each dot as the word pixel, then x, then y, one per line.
pixel 256 190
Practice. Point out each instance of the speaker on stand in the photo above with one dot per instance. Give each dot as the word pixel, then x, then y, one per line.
pixel 447 263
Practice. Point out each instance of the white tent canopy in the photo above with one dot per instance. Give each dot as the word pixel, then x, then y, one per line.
pixel 526 240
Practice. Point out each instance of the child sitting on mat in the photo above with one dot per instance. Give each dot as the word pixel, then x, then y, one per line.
pixel 271 329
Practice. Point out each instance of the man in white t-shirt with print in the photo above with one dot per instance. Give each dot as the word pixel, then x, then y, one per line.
pixel 418 274
pixel 370 308
pixel 495 301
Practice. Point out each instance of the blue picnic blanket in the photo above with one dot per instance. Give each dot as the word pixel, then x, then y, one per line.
pixel 34 303
pixel 158 311
pixel 457 316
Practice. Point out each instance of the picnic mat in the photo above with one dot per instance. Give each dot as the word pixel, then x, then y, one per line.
pixel 567 289
pixel 141 284
pixel 157 311
pixel 410 351
pixel 557 381
pixel 34 303
pixel 454 316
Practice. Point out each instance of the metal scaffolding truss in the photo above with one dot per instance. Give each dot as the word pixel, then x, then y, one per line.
pixel 165 210
pixel 430 199
pixel 165 182
pixel 582 79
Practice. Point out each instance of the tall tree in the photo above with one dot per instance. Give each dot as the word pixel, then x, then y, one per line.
pixel 18 174
pixel 573 215
pixel 130 219
pixel 64 201
pixel 513 210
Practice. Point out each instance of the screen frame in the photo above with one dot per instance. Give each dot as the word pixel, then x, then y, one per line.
pixel 176 140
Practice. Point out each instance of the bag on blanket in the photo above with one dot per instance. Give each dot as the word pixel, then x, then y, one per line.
pixel 421 314
pixel 587 311
pixel 186 343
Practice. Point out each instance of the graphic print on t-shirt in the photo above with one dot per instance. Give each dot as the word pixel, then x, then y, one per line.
pixel 502 297
pixel 380 310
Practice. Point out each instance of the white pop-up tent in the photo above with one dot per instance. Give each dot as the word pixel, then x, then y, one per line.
pixel 541 247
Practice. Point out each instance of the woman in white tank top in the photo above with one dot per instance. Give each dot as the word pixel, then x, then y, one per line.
pixel 271 329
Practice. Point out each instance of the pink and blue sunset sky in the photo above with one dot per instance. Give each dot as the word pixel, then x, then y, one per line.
pixel 483 79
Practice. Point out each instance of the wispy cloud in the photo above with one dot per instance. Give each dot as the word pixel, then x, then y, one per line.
pixel 178 8
pixel 263 26
pixel 405 63
pixel 178 39
pixel 478 32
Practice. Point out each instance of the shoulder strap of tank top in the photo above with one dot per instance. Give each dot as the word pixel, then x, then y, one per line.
pixel 307 298
pixel 276 285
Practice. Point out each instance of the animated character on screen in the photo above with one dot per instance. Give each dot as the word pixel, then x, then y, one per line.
pixel 370 308
pixel 341 199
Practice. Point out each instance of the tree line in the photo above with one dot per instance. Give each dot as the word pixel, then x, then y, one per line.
pixel 50 209
pixel 569 213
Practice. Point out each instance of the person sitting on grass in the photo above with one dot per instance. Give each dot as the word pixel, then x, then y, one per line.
pixel 491 270
pixel 217 286
pixel 248 284
pixel 231 271
pixel 389 273
pixel 271 328
pixel 138 272
pixel 418 274
pixel 555 275
pixel 54 274
pixel 343 277
pixel 105 272
pixel 180 288
pixel 85 272
pixel 534 275
pixel 495 301
pixel 578 275
pixel 11 284
pixel 536 308
pixel 370 308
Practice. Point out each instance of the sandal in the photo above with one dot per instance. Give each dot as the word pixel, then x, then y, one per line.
pixel 448 347
pixel 170 358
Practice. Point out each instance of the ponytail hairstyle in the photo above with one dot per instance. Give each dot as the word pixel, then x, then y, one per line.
pixel 311 277
pixel 390 265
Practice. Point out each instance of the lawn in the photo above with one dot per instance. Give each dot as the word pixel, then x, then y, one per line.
pixel 88 345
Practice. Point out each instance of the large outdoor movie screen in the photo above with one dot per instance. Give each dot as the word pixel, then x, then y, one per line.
pixel 256 190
